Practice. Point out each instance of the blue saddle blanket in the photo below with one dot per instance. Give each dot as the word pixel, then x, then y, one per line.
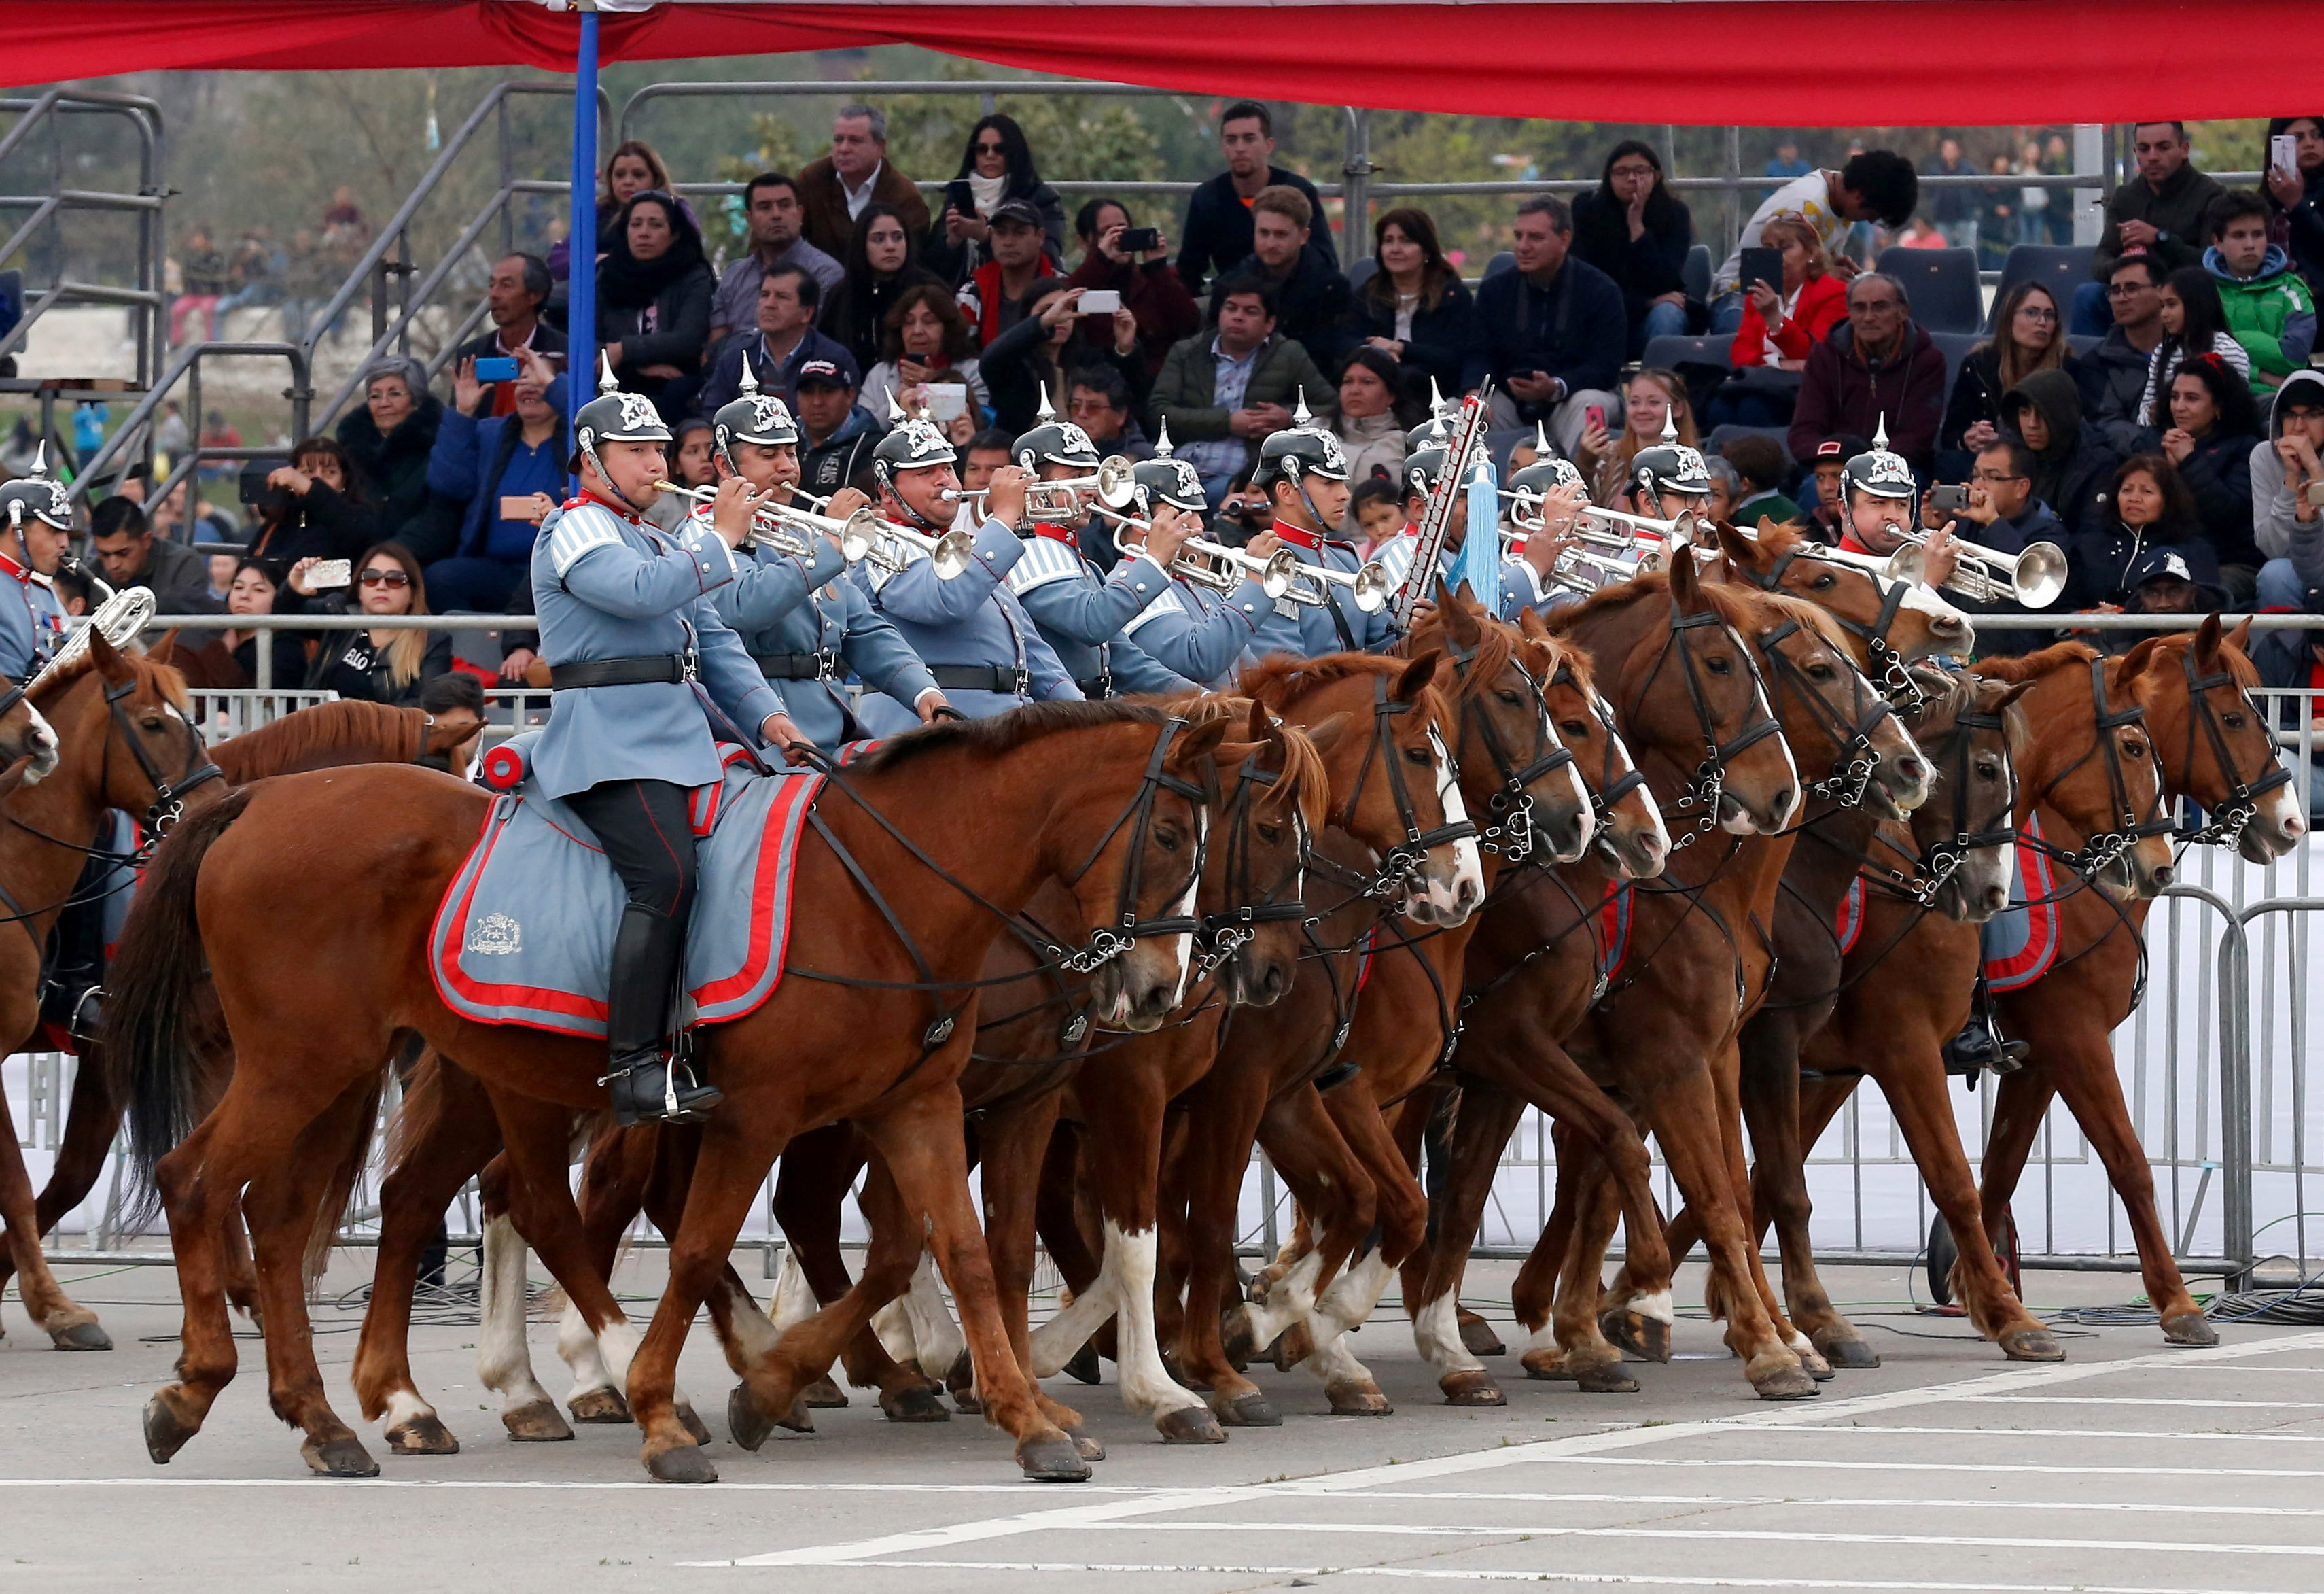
pixel 525 935
pixel 2020 943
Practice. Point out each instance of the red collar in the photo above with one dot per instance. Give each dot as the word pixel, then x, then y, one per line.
pixel 589 496
pixel 1311 541
pixel 1848 544
pixel 10 567
pixel 1066 534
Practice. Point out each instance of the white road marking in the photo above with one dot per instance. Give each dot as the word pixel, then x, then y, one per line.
pixel 1483 1575
pixel 924 1540
pixel 1824 1501
pixel 1824 1465
pixel 1698 1535
pixel 2141 1400
pixel 2090 1433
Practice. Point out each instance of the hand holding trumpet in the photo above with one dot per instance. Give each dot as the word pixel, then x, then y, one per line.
pixel 732 511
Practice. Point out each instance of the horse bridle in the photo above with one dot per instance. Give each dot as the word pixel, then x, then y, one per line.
pixel 2102 848
pixel 1510 836
pixel 2230 819
pixel 1107 943
pixel 1933 866
pixel 1222 936
pixel 1397 867
pixel 1710 781
pixel 1610 788
pixel 1853 765
pixel 1896 683
pixel 168 806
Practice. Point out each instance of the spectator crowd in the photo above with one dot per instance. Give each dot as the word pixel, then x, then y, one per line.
pixel 2158 419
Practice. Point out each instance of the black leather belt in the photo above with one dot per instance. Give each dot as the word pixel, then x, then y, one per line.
pixel 794 666
pixel 647 669
pixel 983 677
pixel 1096 688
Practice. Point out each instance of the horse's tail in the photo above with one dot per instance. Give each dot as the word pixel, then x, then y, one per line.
pixel 154 1030
pixel 353 1156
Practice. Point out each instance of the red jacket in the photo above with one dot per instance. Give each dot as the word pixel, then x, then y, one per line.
pixel 1823 305
pixel 983 298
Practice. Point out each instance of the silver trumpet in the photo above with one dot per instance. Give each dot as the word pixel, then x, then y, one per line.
pixel 792 531
pixel 1368 585
pixel 2034 578
pixel 1111 481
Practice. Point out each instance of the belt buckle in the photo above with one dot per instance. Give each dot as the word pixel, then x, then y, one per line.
pixel 1023 682
pixel 827 664
pixel 689 666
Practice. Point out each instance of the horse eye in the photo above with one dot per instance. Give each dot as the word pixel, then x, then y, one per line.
pixel 1822 582
pixel 2134 748
pixel 1819 673
pixel 1988 771
pixel 1510 697
pixel 1718 664
pixel 1167 838
pixel 1270 833
pixel 2233 721
pixel 1420 755
pixel 1574 728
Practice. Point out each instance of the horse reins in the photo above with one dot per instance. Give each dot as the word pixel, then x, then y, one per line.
pixel 1710 781
pixel 2230 819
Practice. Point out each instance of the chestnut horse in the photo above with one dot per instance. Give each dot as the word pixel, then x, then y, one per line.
pixel 120 740
pixel 324 735
pixel 1907 986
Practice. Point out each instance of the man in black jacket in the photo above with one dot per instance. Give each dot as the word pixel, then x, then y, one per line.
pixel 178 577
pixel 1311 296
pixel 1218 215
pixel 2113 376
pixel 1551 334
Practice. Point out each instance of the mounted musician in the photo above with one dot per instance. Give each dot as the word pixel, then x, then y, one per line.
pixel 948 598
pixel 32 628
pixel 645 679
pixel 804 623
pixel 1880 499
pixel 1080 611
pixel 1522 586
pixel 1200 627
pixel 1304 472
pixel 1545 500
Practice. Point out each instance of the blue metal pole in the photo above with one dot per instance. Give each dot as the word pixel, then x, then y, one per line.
pixel 581 238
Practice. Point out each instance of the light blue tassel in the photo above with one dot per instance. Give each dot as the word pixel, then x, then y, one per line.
pixel 1480 549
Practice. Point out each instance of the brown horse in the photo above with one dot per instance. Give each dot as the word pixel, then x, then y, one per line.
pixel 1906 988
pixel 2214 748
pixel 120 741
pixel 441 1139
pixel 325 735
pixel 1096 793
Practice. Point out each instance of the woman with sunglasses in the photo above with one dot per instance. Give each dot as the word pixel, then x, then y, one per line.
pixel 381 664
pixel 997 166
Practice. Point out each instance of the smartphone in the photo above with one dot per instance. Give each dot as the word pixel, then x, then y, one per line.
pixel 1949 500
pixel 961 197
pixel 1137 240
pixel 512 508
pixel 2283 154
pixel 1595 415
pixel 1761 265
pixel 1100 302
pixel 496 368
pixel 327 574
pixel 2315 491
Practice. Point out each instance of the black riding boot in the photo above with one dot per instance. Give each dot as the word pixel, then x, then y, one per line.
pixel 71 994
pixel 647 1083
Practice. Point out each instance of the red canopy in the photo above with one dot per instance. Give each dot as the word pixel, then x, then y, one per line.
pixel 1712 62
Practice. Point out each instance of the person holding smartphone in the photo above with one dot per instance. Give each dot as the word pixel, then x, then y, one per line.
pixel 2295 191
pixel 507 472
pixel 1134 261
pixel 995 169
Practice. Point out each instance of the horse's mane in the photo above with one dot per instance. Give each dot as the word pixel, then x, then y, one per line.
pixel 2238 663
pixel 1303 766
pixel 1496 645
pixel 1277 678
pixel 1005 732
pixel 164 682
pixel 316 737
pixel 1736 606
pixel 2034 666
pixel 1811 617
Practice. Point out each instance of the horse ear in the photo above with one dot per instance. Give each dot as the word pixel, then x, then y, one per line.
pixel 2138 658
pixel 111 662
pixel 2010 693
pixel 165 651
pixel 1535 627
pixel 1326 733
pixel 1460 610
pixel 1200 741
pixel 2207 639
pixel 1418 676
pixel 2239 638
pixel 1686 581
pixel 1737 547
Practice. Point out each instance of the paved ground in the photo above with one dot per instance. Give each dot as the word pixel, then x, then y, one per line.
pixel 2130 1468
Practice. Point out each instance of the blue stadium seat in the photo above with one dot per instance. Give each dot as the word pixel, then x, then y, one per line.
pixel 1359 272
pixel 1720 436
pixel 1696 273
pixel 1504 260
pixel 1941 283
pixel 2060 267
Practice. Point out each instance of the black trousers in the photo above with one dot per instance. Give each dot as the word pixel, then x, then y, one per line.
pixel 648 836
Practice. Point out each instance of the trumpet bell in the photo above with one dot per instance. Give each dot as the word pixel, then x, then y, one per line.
pixel 1369 588
pixel 1117 483
pixel 2040 577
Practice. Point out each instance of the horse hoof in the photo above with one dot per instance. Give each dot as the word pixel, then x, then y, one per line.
pixel 422 1436
pixel 1294 1345
pixel 1785 1384
pixel 1052 1460
pixel 1647 1338
pixel 1477 1335
pixel 745 1425
pixel 1086 1448
pixel 1190 1425
pixel 165 1432
pixel 823 1394
pixel 1813 1364
pixel 2031 1345
pixel 86 1336
pixel 1605 1378
pixel 343 1456
pixel 1852 1352
pixel 2190 1328
pixel 599 1405
pixel 1083 1363
pixel 1473 1387
pixel 1246 1411
pixel 682 1463
pixel 538 1422
pixel 1358 1400
pixel 914 1402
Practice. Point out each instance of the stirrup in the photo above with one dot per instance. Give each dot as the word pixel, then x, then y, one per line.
pixel 650 1087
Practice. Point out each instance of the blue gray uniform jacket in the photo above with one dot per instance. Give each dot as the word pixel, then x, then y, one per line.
pixel 1081 614
pixel 780 604
pixel 1199 631
pixel 32 620
pixel 973 619
pixel 608 586
pixel 1305 630
pixel 1520 589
